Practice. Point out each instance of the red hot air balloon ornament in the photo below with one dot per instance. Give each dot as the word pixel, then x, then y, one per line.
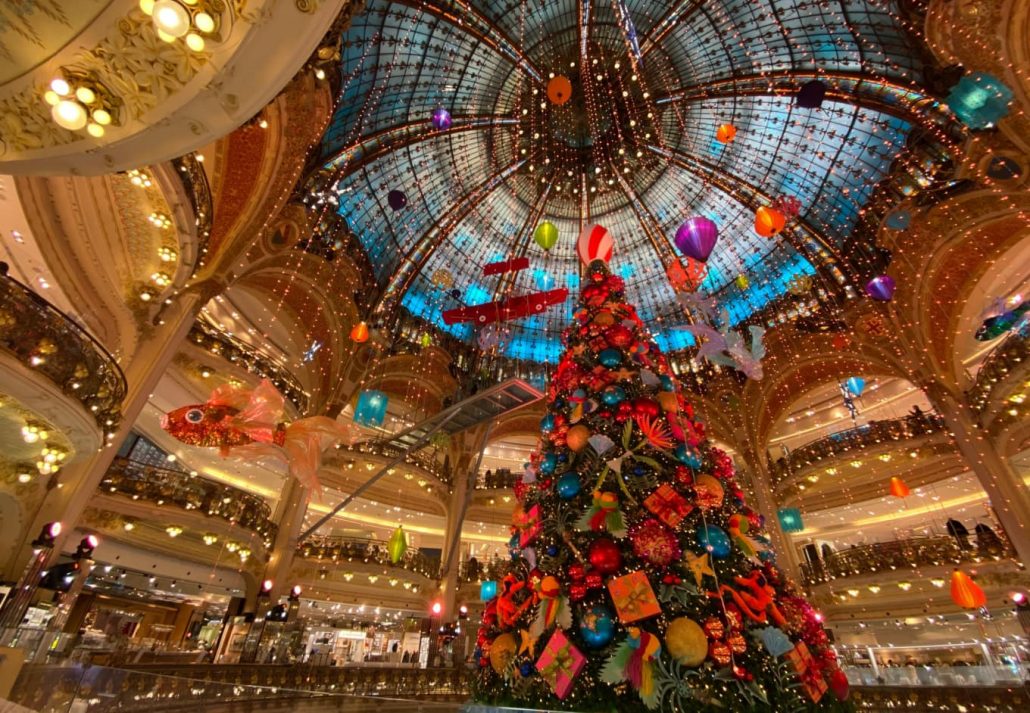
pixel 595 243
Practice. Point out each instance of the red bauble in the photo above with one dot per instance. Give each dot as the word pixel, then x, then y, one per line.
pixel 646 407
pixel 719 651
pixel 619 335
pixel 684 476
pixel 839 684
pixel 655 543
pixel 577 572
pixel 593 580
pixel 577 591
pixel 605 556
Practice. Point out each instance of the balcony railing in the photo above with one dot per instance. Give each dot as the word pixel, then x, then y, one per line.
pixel 194 180
pixel 901 555
pixel 251 359
pixel 472 570
pixel 872 434
pixel 359 550
pixel 500 479
pixel 166 487
pixel 424 459
pixel 1005 358
pixel 54 345
pixel 207 687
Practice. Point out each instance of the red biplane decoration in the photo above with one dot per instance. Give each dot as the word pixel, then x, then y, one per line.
pixel 503 310
pixel 496 268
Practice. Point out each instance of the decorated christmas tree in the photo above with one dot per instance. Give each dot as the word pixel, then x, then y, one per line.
pixel 639 578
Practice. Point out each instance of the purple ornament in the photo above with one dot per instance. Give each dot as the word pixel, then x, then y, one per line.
pixel 441 119
pixel 881 288
pixel 396 199
pixel 696 237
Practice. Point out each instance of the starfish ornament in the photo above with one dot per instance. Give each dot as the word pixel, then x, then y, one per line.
pixel 698 566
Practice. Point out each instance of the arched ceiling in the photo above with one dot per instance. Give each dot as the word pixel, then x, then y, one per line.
pixel 634 149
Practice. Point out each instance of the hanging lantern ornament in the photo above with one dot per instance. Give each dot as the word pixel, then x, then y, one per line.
pixel 559 90
pixel 595 243
pixel 359 334
pixel 898 488
pixel 965 592
pixel 397 545
pixel 881 288
pixel 546 235
pixel 769 221
pixel 441 119
pixel 396 199
pixel 696 238
pixel 725 133
pixel 855 385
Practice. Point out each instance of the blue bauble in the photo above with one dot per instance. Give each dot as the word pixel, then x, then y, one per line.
pixel 579 395
pixel 548 463
pixel 667 384
pixel 563 457
pixel 596 627
pixel 547 423
pixel 688 456
pixel 552 550
pixel 613 395
pixel 568 486
pixel 639 470
pixel 610 358
pixel 714 539
pixel 527 669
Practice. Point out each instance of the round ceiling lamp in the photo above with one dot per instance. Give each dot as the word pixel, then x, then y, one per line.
pixel 171 18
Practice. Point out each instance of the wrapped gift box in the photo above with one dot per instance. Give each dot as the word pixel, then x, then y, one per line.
pixel 530 527
pixel 633 597
pixel 801 659
pixel 667 505
pixel 560 663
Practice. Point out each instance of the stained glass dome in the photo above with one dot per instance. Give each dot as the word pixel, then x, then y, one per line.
pixel 634 148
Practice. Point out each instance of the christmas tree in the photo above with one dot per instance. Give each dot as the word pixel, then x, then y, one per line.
pixel 639 578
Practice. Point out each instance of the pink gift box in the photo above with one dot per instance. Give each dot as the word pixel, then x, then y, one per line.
pixel 560 663
pixel 531 528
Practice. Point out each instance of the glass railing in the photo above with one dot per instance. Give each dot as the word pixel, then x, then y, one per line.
pixel 339 550
pixel 99 689
pixel 424 459
pixel 52 344
pixel 1001 362
pixel 844 442
pixel 166 487
pixel 901 555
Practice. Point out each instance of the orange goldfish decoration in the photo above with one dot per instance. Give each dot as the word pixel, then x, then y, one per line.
pixel 250 422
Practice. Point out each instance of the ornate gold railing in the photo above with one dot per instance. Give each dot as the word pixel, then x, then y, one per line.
pixel 54 345
pixel 250 359
pixel 341 550
pixel 173 488
pixel 423 459
pixel 194 180
pixel 853 439
pixel 1005 358
pixel 901 555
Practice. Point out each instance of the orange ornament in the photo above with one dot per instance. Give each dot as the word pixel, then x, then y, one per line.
pixel 725 133
pixel 359 333
pixel 668 401
pixel 577 437
pixel 559 90
pixel 604 318
pixel 898 488
pixel 965 592
pixel 769 221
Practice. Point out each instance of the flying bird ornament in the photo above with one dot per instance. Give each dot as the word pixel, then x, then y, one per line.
pixel 250 423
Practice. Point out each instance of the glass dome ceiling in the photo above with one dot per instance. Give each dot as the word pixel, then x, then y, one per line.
pixel 634 149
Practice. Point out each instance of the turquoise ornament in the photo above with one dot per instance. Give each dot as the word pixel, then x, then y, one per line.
pixel 610 358
pixel 547 423
pixel 688 456
pixel 714 540
pixel 597 627
pixel 548 463
pixel 568 486
pixel 613 395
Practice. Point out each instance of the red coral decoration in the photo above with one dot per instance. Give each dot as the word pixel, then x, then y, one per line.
pixel 654 542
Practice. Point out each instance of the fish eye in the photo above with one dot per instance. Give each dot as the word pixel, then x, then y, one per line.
pixel 194 415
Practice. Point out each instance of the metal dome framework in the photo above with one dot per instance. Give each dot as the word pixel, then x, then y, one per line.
pixel 475 191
